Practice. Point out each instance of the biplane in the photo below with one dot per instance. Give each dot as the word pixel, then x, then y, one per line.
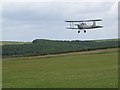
pixel 82 25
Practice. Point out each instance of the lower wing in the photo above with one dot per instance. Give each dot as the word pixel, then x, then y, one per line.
pixel 86 27
pixel 72 28
pixel 92 27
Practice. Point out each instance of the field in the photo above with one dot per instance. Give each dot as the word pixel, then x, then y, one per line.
pixel 96 70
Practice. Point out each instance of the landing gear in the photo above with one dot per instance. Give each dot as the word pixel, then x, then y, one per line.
pixel 78 31
pixel 84 31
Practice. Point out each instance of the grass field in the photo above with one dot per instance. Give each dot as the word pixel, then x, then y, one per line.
pixel 98 70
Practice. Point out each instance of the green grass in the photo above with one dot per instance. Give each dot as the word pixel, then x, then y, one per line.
pixel 98 70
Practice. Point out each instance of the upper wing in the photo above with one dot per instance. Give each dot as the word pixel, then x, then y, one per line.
pixel 85 20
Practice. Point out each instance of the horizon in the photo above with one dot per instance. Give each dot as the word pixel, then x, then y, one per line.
pixel 58 40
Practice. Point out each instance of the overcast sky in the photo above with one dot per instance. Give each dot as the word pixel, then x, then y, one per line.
pixel 26 21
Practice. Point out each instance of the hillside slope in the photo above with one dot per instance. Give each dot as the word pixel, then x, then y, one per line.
pixel 45 47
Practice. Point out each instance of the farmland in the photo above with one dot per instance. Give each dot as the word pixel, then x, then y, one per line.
pixel 87 70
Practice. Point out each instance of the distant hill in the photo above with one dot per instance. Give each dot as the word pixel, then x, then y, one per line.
pixel 12 42
pixel 45 47
pixel 104 40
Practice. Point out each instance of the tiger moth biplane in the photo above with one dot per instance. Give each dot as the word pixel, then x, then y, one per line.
pixel 82 25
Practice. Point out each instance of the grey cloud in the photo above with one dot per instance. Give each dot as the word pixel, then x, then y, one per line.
pixel 26 21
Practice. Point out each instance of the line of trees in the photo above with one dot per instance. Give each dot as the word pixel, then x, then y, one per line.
pixel 45 47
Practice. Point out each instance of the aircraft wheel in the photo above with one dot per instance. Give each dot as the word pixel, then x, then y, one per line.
pixel 78 31
pixel 84 31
